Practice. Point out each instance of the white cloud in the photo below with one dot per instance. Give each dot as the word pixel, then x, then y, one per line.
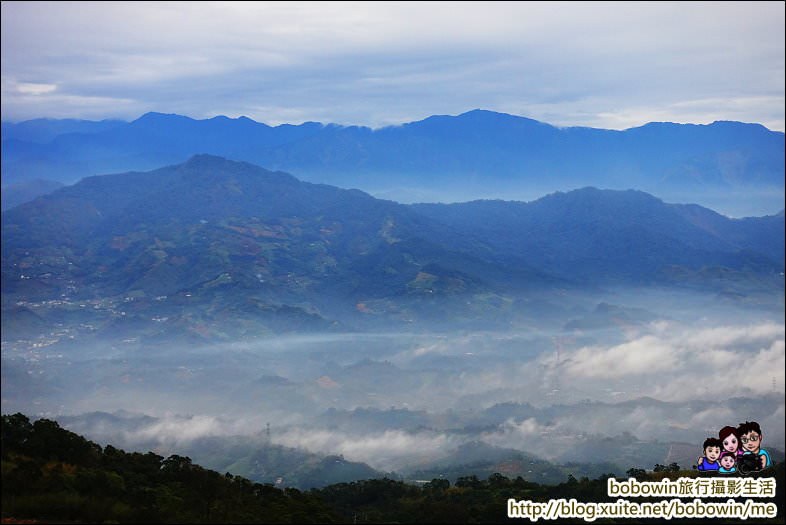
pixel 179 429
pixel 387 450
pixel 725 336
pixel 608 65
pixel 527 435
pixel 642 356
pixel 678 363
pixel 28 88
pixel 750 374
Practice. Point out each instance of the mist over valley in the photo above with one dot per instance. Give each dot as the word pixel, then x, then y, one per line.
pixel 301 334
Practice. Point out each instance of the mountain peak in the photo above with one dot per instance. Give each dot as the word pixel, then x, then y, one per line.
pixel 594 197
pixel 205 162
pixel 154 116
pixel 487 114
pixel 479 112
pixel 599 192
pixel 205 159
pixel 734 124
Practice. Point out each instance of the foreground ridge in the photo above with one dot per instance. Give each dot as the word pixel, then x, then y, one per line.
pixel 50 473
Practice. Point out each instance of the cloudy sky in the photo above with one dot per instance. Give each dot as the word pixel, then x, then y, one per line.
pixel 612 65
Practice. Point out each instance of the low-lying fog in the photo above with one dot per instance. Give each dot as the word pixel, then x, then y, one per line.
pixel 618 375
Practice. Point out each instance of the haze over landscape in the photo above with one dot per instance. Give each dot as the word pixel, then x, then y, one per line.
pixel 299 253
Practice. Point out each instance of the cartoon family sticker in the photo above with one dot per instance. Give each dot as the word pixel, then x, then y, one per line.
pixel 735 450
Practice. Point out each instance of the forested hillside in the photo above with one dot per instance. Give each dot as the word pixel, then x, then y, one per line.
pixel 52 474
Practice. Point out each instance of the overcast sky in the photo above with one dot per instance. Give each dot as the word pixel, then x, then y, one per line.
pixel 611 65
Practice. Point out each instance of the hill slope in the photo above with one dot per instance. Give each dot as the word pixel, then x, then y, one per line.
pixel 593 234
pixel 222 239
pixel 185 249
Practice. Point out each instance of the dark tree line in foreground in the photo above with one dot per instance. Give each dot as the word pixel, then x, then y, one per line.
pixel 53 474
pixel 49 473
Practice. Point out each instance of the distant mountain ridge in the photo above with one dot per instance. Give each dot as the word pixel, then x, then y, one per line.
pixel 442 158
pixel 43 130
pixel 212 240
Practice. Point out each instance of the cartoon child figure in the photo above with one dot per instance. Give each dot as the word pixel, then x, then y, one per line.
pixel 730 440
pixel 712 451
pixel 727 462
pixel 750 437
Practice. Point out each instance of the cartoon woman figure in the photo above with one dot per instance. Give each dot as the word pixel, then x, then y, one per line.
pixel 727 462
pixel 730 440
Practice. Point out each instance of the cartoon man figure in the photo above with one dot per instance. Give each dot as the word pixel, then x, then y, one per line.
pixel 712 451
pixel 750 438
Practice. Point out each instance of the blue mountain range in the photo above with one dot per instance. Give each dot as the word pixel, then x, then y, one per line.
pixel 732 167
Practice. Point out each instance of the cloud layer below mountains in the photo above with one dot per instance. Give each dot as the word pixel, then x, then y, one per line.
pixel 664 381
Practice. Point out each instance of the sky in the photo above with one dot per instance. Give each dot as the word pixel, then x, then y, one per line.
pixel 609 65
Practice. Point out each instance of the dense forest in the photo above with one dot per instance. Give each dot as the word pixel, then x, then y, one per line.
pixel 52 474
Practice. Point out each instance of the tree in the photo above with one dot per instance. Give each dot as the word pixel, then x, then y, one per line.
pixel 638 473
pixel 497 480
pixel 468 481
pixel 14 432
pixel 437 485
